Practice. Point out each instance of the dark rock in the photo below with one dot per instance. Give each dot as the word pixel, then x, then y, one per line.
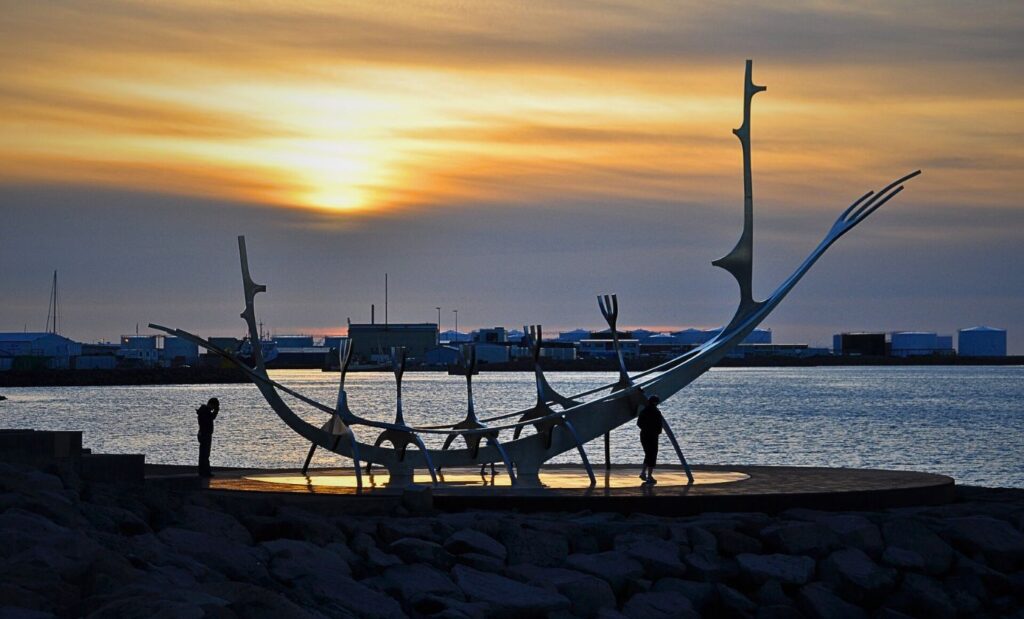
pixel 921 595
pixel 732 543
pixel 817 602
pixel 777 611
pixel 800 538
pixel 732 603
pixel 533 546
pixel 390 530
pixel 856 577
pixel 614 567
pixel 205 520
pixel 505 597
pixel 234 560
pixel 253 602
pixel 659 558
pixel 701 540
pixel 468 540
pixel 911 545
pixel 295 563
pixel 700 594
pixel 772 594
pixel 980 576
pixel 783 568
pixel 709 567
pixel 484 563
pixel 418 499
pixel 1001 544
pixel 377 559
pixel 412 550
pixel 412 583
pixel 857 531
pixel 587 594
pixel 659 604
pixel 362 543
pixel 292 524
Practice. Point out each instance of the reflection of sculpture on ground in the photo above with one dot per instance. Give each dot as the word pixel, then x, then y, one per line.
pixel 560 423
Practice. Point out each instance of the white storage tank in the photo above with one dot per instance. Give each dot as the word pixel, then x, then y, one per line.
pixel 911 343
pixel 981 342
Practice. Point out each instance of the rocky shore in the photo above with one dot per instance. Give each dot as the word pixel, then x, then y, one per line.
pixel 70 548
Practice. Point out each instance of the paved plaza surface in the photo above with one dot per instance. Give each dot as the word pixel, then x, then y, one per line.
pixel 716 488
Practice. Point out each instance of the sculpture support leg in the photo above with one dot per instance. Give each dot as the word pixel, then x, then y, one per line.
pixel 309 458
pixel 426 457
pixel 504 456
pixel 583 453
pixel 679 452
pixel 607 451
pixel 355 459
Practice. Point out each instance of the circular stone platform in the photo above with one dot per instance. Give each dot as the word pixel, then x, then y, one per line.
pixel 567 488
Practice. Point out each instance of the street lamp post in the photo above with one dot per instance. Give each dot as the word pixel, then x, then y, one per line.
pixel 438 326
pixel 456 324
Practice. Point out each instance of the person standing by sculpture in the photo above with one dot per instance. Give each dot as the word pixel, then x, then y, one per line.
pixel 205 414
pixel 650 422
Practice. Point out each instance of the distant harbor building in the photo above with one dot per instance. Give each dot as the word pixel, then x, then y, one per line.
pixel 37 350
pixel 606 348
pixel 293 341
pixel 981 342
pixel 374 341
pixel 859 344
pixel 491 335
pixel 178 352
pixel 913 343
pixel 573 336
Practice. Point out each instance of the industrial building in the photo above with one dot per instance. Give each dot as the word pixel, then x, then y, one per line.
pixel 373 342
pixel 919 343
pixel 981 342
pixel 37 350
pixel 859 344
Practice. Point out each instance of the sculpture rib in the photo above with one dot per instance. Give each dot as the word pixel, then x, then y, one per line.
pixel 582 419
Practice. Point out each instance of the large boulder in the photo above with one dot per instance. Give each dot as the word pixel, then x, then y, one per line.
pixel 732 543
pixel 468 540
pixel 412 550
pixel 709 567
pixel 234 560
pixel 659 605
pixel 999 542
pixel 800 538
pixel 391 530
pixel 659 558
pixel 856 577
pixel 786 569
pixel 732 603
pixel 505 597
pixel 587 594
pixel 818 602
pixel 414 583
pixel 700 594
pixel 213 522
pixel 534 546
pixel 857 531
pixel 922 596
pixel 292 561
pixel 910 545
pixel 613 566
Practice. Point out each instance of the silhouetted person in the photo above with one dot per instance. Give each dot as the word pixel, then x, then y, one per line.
pixel 206 414
pixel 650 422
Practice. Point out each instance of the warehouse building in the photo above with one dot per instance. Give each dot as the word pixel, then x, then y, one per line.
pixel 981 342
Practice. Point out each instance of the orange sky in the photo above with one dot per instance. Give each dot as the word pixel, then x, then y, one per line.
pixel 592 139
pixel 369 107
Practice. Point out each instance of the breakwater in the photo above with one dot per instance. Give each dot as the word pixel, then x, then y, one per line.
pixel 78 548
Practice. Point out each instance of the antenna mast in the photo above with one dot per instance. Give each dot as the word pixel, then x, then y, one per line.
pixel 53 309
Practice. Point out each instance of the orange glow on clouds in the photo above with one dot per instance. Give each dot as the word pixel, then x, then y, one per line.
pixel 372 109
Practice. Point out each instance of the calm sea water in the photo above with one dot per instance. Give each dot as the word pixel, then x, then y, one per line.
pixel 967 422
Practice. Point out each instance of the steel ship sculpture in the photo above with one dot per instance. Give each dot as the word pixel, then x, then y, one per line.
pixel 523 441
